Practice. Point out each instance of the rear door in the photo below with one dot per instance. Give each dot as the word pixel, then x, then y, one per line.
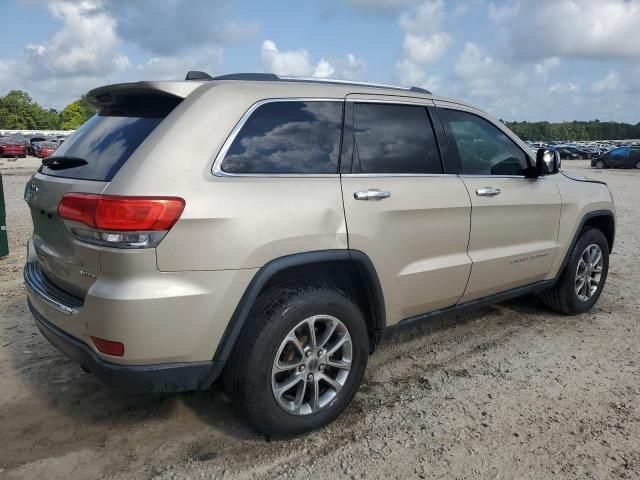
pixel 402 210
pixel 514 219
pixel 86 163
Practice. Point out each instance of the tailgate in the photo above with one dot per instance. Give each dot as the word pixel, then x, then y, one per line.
pixel 65 261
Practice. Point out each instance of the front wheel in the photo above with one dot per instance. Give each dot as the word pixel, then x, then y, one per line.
pixel 638 164
pixel 583 279
pixel 600 164
pixel 299 361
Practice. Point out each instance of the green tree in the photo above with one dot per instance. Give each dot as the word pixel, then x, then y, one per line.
pixel 75 114
pixel 19 111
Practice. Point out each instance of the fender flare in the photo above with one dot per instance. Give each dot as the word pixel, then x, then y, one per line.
pixel 586 217
pixel 241 314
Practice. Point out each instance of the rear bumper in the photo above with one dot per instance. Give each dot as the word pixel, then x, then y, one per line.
pixel 166 377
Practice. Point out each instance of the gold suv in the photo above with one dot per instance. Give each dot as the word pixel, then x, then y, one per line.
pixel 273 230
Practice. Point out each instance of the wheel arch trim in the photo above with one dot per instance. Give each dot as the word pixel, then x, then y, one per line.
pixel 576 235
pixel 360 260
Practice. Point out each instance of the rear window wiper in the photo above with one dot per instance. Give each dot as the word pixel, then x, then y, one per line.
pixel 60 163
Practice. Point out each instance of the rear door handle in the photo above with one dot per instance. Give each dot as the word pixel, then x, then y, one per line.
pixel 371 194
pixel 488 192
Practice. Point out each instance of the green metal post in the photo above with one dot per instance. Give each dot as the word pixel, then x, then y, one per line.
pixel 4 242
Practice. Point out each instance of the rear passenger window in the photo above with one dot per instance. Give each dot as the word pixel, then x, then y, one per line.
pixel 288 137
pixel 394 139
pixel 482 147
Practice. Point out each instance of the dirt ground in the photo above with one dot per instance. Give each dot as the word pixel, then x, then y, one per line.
pixel 512 391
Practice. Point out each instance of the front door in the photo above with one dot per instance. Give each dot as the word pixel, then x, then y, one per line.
pixel 514 219
pixel 410 218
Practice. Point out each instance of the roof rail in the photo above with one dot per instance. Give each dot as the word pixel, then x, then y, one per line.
pixel 271 77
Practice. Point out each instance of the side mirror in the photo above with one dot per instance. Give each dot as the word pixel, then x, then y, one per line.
pixel 547 162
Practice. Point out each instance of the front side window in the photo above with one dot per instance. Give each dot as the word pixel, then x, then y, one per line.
pixel 394 139
pixel 621 152
pixel 482 147
pixel 288 137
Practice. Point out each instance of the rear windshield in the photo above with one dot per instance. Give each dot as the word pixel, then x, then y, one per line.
pixel 105 143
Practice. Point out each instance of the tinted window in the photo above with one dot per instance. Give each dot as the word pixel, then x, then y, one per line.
pixel 482 147
pixel 394 139
pixel 620 152
pixel 105 142
pixel 288 137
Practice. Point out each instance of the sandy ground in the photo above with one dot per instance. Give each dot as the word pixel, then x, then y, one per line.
pixel 512 391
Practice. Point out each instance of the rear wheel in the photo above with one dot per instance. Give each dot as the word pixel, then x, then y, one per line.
pixel 583 279
pixel 299 361
pixel 638 164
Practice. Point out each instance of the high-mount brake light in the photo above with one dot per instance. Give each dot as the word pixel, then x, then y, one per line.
pixel 120 221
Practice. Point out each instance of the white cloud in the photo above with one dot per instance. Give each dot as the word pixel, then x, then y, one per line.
pixel 546 65
pixel 83 46
pixel 291 62
pixel 171 26
pixel 353 68
pixel 422 50
pixel 499 14
pixel 175 67
pixel 425 19
pixel 380 4
pixel 564 88
pixel 424 43
pixel 611 83
pixel 323 69
pixel 603 28
pixel 298 63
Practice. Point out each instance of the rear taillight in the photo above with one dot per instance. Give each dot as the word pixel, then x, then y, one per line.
pixel 120 221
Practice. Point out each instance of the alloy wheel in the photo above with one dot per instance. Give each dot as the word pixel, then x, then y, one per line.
pixel 589 272
pixel 312 365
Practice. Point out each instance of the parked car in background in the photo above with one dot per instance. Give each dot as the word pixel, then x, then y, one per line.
pixel 620 157
pixel 12 147
pixel 33 141
pixel 567 154
pixel 44 149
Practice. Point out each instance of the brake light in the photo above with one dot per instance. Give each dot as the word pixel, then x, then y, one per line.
pixel 121 213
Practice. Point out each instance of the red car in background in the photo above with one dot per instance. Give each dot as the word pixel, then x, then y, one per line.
pixel 12 148
pixel 44 149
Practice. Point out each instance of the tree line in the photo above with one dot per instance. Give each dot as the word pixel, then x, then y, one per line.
pixel 591 130
pixel 18 111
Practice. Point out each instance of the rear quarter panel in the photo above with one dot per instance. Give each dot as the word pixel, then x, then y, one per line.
pixel 230 222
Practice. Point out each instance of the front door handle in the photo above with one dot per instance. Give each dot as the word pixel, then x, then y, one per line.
pixel 488 192
pixel 371 194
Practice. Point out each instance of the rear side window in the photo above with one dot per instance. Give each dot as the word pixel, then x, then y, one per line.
pixel 394 139
pixel 288 137
pixel 482 147
pixel 107 140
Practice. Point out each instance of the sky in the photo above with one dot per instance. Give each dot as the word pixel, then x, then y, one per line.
pixel 555 60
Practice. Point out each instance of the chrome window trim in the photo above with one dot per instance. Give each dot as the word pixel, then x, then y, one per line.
pixel 368 175
pixel 411 101
pixel 217 164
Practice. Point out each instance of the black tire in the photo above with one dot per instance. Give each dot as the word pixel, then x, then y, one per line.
pixel 638 164
pixel 600 164
pixel 562 297
pixel 247 377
